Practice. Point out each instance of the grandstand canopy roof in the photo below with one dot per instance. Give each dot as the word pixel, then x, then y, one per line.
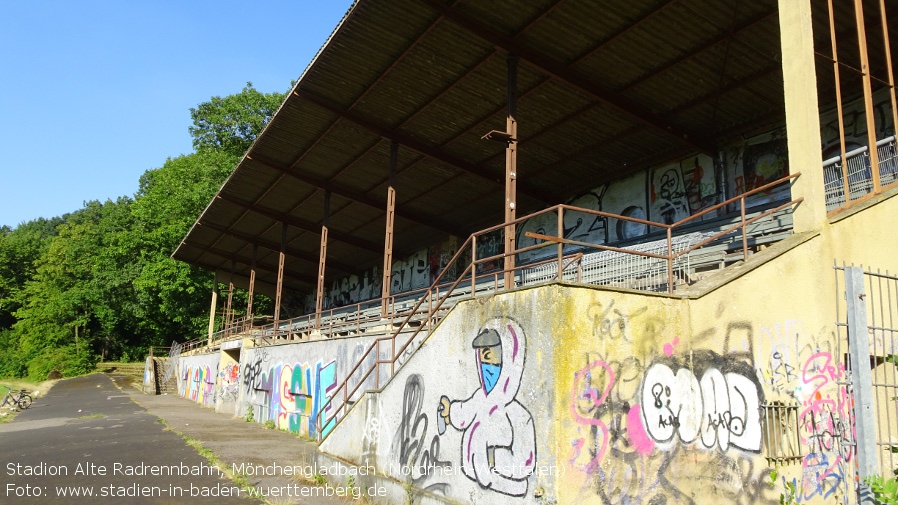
pixel 604 89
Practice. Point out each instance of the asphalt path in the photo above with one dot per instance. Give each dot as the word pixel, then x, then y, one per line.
pixel 88 437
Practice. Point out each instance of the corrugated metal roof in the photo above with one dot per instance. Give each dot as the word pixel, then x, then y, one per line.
pixel 605 89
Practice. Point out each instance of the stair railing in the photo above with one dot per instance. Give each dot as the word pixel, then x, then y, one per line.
pixel 434 300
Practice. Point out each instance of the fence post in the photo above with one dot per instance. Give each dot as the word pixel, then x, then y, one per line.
pixel 861 379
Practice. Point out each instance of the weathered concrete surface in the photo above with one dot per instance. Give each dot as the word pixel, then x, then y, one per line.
pixel 52 435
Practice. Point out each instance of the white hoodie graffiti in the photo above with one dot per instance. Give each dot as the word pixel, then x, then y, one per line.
pixel 499 443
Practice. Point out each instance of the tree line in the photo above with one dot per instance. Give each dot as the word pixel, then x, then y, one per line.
pixel 99 283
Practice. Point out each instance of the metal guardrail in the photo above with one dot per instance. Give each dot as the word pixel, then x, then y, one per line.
pixel 424 311
pixel 845 183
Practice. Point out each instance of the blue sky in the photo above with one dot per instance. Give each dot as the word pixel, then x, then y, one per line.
pixel 93 93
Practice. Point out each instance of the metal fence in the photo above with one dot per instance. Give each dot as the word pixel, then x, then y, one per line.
pixel 867 350
pixel 859 173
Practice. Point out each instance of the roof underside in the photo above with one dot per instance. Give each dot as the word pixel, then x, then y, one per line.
pixel 604 89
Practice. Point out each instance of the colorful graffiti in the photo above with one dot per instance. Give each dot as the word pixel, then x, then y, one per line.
pixel 291 394
pixel 199 385
pixel 824 426
pixel 655 433
pixel 498 449
pixel 228 382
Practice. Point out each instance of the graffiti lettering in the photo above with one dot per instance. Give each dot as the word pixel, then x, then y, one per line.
pixel 720 409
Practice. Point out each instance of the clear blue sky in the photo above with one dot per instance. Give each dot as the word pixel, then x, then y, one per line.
pixel 95 92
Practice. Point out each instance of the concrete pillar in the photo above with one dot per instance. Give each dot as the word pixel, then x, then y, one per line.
pixel 802 115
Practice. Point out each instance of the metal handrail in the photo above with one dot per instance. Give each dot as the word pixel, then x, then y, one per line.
pixel 323 420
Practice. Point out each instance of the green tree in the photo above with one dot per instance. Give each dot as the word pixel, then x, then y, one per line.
pixel 170 293
pixel 232 123
pixel 100 282
pixel 19 250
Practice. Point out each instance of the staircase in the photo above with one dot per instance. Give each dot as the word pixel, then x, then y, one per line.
pixel 388 353
pixel 163 385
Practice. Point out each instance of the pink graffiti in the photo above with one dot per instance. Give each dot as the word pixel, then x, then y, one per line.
pixel 670 347
pixel 200 385
pixel 826 423
pixel 636 431
pixel 585 376
pixel 229 374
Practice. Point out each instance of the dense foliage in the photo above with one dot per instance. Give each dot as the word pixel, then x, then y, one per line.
pixel 99 283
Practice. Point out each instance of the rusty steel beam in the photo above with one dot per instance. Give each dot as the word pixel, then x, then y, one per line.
pixel 214 307
pixel 322 260
pixel 388 232
pixel 868 94
pixel 252 284
pixel 888 55
pixel 229 311
pixel 511 169
pixel 409 142
pixel 336 189
pixel 573 78
pixel 280 283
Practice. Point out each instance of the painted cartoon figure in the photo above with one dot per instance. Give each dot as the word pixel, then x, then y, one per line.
pixel 499 442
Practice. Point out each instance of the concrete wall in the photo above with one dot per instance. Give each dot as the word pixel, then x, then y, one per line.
pixel 630 397
pixel 149 376
pixel 197 378
pixel 286 383
pixel 290 383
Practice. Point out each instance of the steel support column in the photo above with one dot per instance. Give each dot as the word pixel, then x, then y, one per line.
pixel 322 258
pixel 280 285
pixel 888 52
pixel 252 286
pixel 213 307
pixel 867 460
pixel 388 234
pixel 868 93
pixel 511 157
pixel 229 311
pixel 838 82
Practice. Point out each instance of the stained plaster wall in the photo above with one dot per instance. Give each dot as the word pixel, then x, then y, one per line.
pixel 639 398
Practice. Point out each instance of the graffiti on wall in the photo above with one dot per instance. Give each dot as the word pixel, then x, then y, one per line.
pixel 290 394
pixel 824 423
pixel 416 456
pixel 652 430
pixel 498 448
pixel 854 121
pixel 722 409
pixel 668 195
pixel 228 382
pixel 199 385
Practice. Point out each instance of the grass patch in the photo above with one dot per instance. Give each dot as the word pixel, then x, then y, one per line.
pixel 92 416
pixel 35 389
pixel 237 478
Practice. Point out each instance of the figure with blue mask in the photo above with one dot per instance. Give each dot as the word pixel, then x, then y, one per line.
pixel 498 449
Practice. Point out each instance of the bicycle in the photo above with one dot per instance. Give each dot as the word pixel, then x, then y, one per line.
pixel 22 400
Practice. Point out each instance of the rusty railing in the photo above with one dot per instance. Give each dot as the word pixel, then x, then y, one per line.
pixel 429 305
